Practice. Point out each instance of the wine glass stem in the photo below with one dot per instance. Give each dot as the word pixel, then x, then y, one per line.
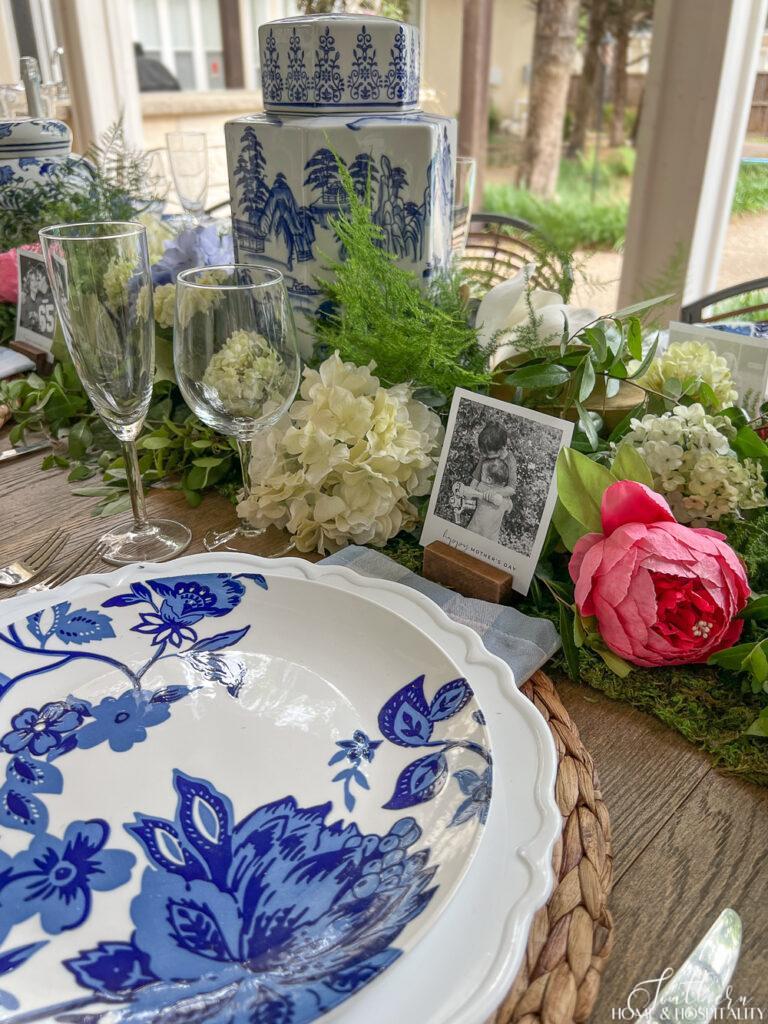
pixel 135 486
pixel 244 451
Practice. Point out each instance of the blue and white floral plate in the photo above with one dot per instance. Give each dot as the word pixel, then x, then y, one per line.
pixel 241 791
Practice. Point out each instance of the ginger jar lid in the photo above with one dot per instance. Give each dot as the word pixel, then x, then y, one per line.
pixel 339 63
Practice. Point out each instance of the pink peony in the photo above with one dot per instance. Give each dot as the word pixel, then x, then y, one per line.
pixel 9 277
pixel 662 593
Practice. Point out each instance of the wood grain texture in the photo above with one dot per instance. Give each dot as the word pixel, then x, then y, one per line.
pixel 466 575
pixel 711 854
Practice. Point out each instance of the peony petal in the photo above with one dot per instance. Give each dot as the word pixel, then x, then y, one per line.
pixel 585 581
pixel 617 579
pixel 628 501
pixel 581 547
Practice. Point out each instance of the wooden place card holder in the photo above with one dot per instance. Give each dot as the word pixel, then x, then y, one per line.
pixel 465 574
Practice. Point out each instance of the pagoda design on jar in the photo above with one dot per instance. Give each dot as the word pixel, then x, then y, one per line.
pixel 339 89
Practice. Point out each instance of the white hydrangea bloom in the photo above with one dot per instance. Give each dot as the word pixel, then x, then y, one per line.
pixel 244 374
pixel 165 304
pixel 693 465
pixel 116 279
pixel 693 360
pixel 343 464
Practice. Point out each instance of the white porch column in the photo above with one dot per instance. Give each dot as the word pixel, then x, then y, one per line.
pixel 97 38
pixel 694 116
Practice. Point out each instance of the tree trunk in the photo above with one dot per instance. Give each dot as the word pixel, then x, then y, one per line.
pixel 554 47
pixel 619 74
pixel 586 96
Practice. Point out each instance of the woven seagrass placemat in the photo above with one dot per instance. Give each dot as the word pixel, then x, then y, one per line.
pixel 571 937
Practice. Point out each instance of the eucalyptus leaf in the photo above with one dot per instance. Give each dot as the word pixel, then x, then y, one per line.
pixel 581 483
pixel 635 338
pixel 539 375
pixel 647 360
pixel 596 338
pixel 587 381
pixel 612 387
pixel 79 440
pixel 587 425
pixel 641 307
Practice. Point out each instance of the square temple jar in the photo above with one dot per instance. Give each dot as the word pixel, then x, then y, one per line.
pixel 339 88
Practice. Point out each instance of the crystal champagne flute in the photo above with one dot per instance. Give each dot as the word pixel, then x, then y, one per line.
pixel 102 288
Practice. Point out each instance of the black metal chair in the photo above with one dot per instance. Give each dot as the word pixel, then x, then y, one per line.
pixel 498 247
pixel 694 312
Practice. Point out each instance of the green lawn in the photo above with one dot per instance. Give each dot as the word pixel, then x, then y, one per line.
pixel 574 221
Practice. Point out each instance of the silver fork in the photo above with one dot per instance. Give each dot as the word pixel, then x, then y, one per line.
pixel 29 565
pixel 80 565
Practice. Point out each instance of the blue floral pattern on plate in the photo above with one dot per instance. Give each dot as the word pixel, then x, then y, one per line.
pixel 227 908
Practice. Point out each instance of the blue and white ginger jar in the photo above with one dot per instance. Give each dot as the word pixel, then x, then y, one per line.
pixel 339 87
pixel 31 148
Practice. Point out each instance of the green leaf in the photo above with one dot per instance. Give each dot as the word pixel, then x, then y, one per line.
pixel 49 462
pixel 732 658
pixel 596 338
pixel 623 425
pixel 616 664
pixel 587 382
pixel 569 646
pixel 155 444
pixel 193 497
pixel 539 375
pixel 208 462
pixel 649 357
pixel 95 491
pixel 641 307
pixel 579 632
pixel 630 465
pixel 635 338
pixel 756 610
pixel 114 507
pixel 749 445
pixel 757 662
pixel 612 387
pixel 79 440
pixel 567 527
pixel 81 472
pixel 587 425
pixel 760 725
pixel 581 483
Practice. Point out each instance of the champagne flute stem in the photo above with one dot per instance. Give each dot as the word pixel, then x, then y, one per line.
pixel 135 486
pixel 244 451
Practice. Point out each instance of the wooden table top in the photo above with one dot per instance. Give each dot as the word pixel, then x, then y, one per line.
pixel 687 841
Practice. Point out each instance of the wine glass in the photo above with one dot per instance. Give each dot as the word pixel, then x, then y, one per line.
pixel 188 157
pixel 234 349
pixel 464 194
pixel 102 288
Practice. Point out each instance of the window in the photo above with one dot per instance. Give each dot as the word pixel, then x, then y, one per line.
pixel 186 36
pixel 214 53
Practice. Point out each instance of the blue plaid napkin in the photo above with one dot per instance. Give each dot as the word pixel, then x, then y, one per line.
pixel 523 642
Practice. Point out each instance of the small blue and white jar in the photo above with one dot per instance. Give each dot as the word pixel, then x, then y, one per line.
pixel 339 87
pixel 30 149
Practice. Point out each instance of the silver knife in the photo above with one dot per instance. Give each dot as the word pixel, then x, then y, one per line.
pixel 695 991
pixel 23 449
